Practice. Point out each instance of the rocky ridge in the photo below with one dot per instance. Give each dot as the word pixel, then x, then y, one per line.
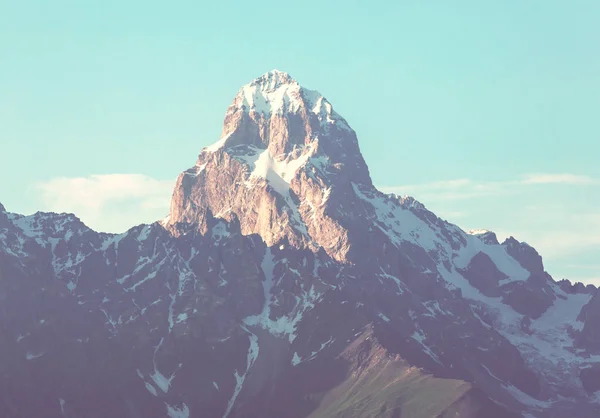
pixel 284 284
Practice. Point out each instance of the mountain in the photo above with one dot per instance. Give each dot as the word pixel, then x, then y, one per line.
pixel 284 284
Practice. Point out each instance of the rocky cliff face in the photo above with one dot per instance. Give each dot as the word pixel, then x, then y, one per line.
pixel 285 167
pixel 284 284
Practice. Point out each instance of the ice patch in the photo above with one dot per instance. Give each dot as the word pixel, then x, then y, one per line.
pixel 525 399
pixel 296 359
pixel 286 324
pixel 111 240
pixel 434 309
pixel 278 174
pixel 219 231
pixel 62 406
pixel 144 233
pixel 109 320
pixel 141 263
pixel 382 316
pixel 160 380
pixel 324 345
pixel 151 389
pixel 239 379
pixel 217 145
pixel 419 337
pixel 181 284
pixel 31 356
pixel 394 279
pixel 497 253
pixel 178 412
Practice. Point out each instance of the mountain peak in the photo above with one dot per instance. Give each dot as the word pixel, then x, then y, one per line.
pixel 272 81
pixel 273 93
pixel 285 166
pixel 484 235
pixel 274 111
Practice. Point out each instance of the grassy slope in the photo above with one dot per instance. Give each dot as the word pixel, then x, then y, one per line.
pixel 379 385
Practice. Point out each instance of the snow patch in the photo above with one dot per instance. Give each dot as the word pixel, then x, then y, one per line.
pixel 394 279
pixel 296 359
pixel 385 318
pixel 499 256
pixel 324 345
pixel 219 231
pixel 278 173
pixel 525 399
pixel 239 379
pixel 30 355
pixel 419 337
pixel 178 412
pixel 144 233
pixel 160 380
pixel 286 324
pixel 151 389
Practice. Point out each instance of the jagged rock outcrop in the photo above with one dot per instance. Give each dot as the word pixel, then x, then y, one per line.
pixel 590 317
pixel 285 167
pixel 486 236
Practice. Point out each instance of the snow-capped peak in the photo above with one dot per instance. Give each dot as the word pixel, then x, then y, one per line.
pixel 292 123
pixel 276 93
pixel 273 80
pixel 272 93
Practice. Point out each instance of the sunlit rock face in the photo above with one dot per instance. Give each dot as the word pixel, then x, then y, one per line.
pixel 285 167
pixel 284 284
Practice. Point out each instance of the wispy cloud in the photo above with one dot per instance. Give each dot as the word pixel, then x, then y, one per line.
pixel 572 179
pixel 109 203
pixel 459 189
pixel 566 239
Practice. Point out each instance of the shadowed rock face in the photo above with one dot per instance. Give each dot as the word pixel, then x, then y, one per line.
pixel 590 316
pixel 527 256
pixel 483 274
pixel 283 284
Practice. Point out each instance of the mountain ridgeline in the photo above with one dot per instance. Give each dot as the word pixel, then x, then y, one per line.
pixel 284 284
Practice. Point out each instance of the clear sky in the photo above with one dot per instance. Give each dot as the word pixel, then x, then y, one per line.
pixel 487 112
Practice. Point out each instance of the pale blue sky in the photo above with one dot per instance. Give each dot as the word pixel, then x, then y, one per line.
pixel 485 111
